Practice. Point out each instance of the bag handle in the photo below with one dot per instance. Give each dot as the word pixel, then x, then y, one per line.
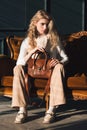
pixel 36 54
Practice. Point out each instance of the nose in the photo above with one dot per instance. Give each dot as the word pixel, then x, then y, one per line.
pixel 45 27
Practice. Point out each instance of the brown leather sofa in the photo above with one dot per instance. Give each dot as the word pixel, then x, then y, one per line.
pixel 7 64
pixel 76 70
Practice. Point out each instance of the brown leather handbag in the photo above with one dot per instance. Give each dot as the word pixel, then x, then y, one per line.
pixel 39 67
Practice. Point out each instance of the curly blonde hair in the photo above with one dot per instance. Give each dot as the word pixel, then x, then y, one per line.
pixel 33 34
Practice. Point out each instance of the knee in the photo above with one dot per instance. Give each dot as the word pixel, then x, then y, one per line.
pixel 17 69
pixel 59 66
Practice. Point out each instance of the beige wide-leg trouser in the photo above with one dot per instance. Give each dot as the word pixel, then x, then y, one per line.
pixel 20 97
pixel 57 95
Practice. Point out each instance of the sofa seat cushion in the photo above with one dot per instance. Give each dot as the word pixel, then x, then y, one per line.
pixel 7 81
pixel 6 91
pixel 77 82
pixel 79 94
pixel 40 83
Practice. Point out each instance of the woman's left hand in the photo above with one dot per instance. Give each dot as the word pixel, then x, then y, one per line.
pixel 53 62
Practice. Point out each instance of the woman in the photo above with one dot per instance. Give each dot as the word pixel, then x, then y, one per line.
pixel 41 35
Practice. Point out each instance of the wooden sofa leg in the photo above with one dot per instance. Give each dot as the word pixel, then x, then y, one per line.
pixel 47 102
pixel 26 83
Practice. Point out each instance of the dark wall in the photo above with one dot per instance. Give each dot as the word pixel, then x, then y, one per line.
pixel 69 16
pixel 15 14
pixel 86 15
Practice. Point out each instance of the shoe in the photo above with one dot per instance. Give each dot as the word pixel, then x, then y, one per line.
pixel 49 118
pixel 20 118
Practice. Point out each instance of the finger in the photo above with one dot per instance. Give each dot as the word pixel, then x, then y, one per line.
pixel 54 63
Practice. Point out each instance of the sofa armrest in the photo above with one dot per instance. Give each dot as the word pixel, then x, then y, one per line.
pixel 6 66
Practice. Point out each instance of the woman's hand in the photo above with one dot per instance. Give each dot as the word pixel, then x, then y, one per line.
pixel 30 53
pixel 53 62
pixel 37 49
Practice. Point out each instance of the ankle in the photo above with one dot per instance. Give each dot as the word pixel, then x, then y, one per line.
pixel 52 109
pixel 22 110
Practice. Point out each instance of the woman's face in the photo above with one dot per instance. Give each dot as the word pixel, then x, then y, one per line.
pixel 42 26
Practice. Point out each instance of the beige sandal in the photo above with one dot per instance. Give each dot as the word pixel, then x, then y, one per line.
pixel 49 118
pixel 20 118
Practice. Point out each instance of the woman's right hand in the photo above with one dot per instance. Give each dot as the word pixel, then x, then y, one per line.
pixel 37 49
pixel 30 53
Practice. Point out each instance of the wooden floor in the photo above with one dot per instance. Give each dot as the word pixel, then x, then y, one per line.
pixel 71 116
